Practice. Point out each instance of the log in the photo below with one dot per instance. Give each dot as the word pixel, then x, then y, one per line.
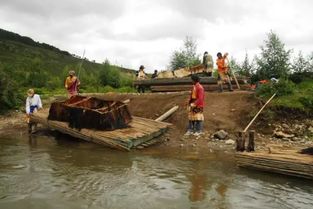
pixel 174 81
pixel 240 142
pixel 250 147
pixel 167 114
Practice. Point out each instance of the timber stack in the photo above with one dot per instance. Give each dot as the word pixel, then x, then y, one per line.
pixel 184 84
pixel 291 162
pixel 99 121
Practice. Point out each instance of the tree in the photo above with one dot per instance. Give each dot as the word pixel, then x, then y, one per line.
pixel 246 67
pixel 274 59
pixel 187 56
pixel 300 64
pixel 110 75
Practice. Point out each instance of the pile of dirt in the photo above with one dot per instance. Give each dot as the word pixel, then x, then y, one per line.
pixel 230 111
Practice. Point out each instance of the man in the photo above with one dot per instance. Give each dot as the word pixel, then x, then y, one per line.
pixel 141 76
pixel 207 63
pixel 33 103
pixel 222 67
pixel 155 74
pixel 72 84
pixel 195 107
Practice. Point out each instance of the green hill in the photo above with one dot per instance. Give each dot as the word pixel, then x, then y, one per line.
pixel 25 63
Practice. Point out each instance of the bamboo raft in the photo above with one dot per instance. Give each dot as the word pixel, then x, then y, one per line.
pixel 141 131
pixel 286 162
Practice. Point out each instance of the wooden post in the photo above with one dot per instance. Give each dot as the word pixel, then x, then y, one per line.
pixel 250 147
pixel 240 142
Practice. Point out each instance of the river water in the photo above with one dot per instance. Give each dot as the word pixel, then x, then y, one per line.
pixel 55 171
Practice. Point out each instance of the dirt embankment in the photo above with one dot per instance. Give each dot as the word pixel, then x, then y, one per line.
pixel 230 111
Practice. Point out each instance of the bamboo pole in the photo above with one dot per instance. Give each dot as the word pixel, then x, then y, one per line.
pixel 238 86
pixel 268 101
pixel 167 114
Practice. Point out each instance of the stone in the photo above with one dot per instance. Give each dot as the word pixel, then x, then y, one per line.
pixel 221 134
pixel 280 134
pixel 285 126
pixel 229 142
pixel 181 145
pixel 310 129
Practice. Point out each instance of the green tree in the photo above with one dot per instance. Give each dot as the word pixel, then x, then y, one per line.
pixel 185 57
pixel 110 75
pixel 246 67
pixel 9 96
pixel 300 64
pixel 274 59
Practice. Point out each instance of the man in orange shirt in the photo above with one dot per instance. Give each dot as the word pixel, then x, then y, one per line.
pixel 222 68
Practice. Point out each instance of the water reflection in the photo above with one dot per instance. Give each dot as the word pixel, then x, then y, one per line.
pixel 55 171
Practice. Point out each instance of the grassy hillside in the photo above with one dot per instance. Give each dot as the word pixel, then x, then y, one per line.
pixel 25 63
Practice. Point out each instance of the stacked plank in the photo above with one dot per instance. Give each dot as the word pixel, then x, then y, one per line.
pixel 184 84
pixel 140 130
pixel 287 162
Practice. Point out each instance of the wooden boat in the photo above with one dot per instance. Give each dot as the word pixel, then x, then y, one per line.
pixel 91 113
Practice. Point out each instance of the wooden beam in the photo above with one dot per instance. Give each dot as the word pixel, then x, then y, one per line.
pixel 167 114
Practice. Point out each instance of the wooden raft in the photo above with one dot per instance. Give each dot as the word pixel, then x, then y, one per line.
pixel 141 131
pixel 286 162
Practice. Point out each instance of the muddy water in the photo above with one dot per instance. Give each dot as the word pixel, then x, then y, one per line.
pixel 58 172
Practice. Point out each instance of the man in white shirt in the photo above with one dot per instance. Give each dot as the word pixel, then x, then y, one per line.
pixel 33 103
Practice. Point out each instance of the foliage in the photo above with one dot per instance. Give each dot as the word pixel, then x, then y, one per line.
pixel 185 57
pixel 9 96
pixel 274 59
pixel 282 88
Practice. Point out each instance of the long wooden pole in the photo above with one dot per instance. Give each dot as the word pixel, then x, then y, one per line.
pixel 238 86
pixel 167 114
pixel 268 101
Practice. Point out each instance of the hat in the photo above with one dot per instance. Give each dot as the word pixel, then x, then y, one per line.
pixel 71 72
pixel 30 92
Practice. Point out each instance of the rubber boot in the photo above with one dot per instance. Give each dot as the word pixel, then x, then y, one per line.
pixel 230 87
pixel 220 88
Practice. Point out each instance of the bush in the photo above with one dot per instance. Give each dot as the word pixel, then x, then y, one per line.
pixel 300 77
pixel 283 87
pixel 9 96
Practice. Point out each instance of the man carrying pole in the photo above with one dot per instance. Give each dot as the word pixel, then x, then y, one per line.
pixel 222 73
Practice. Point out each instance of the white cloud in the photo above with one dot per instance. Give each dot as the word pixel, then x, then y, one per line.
pixel 134 32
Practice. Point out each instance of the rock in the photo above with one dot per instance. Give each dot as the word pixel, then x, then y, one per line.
pixel 221 134
pixel 181 145
pixel 310 129
pixel 285 126
pixel 194 145
pixel 280 134
pixel 229 142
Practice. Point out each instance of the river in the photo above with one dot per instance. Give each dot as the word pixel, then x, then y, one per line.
pixel 55 171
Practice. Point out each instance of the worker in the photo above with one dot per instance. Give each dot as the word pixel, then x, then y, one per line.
pixel 223 70
pixel 207 63
pixel 195 108
pixel 155 74
pixel 72 84
pixel 33 104
pixel 141 76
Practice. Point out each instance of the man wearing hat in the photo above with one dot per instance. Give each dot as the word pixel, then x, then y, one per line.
pixel 72 84
pixel 33 103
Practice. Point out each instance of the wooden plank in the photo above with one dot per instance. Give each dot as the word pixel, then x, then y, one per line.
pixel 140 131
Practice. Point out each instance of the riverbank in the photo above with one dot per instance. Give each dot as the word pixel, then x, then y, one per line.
pixel 229 111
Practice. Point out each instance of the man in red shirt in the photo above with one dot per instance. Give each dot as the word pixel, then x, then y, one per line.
pixel 195 107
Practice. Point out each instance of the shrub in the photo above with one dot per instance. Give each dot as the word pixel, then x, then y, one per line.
pixel 283 87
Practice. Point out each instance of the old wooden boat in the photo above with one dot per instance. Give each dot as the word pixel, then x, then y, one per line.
pixel 91 113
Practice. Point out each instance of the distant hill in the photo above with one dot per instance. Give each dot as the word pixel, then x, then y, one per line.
pixel 19 51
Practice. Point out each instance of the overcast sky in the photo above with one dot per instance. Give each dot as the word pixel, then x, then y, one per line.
pixel 135 32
